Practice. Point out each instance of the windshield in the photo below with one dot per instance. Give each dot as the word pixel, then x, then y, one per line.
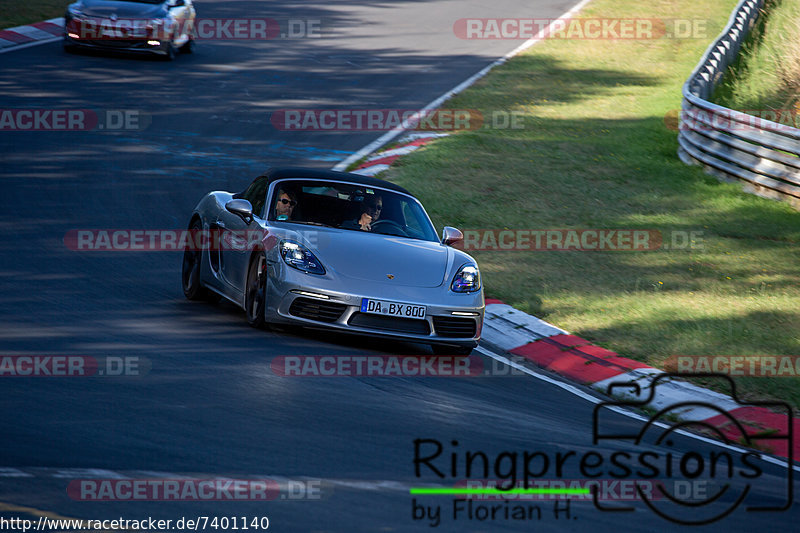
pixel 350 207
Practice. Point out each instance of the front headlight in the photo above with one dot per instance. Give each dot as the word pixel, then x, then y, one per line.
pixel 298 256
pixel 467 279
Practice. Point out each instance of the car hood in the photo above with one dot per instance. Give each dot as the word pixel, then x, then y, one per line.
pixel 396 261
pixel 106 8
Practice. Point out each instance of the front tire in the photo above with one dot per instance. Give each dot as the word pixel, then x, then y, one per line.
pixel 255 299
pixel 188 47
pixel 172 52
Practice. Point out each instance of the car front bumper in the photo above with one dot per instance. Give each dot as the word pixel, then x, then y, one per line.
pixel 137 46
pixel 455 319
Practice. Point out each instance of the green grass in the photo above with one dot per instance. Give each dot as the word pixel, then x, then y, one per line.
pixel 595 152
pixel 19 12
pixel 767 73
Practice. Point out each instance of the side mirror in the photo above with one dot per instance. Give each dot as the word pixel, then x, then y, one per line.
pixel 241 208
pixel 451 235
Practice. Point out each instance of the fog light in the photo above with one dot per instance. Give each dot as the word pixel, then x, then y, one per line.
pixel 154 43
pixel 74 36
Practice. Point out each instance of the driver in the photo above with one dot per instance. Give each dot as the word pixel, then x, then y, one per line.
pixel 284 205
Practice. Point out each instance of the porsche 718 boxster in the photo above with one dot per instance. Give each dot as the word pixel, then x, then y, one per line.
pixel 336 250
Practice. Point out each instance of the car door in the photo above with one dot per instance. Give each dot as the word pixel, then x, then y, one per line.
pixel 233 248
pixel 237 236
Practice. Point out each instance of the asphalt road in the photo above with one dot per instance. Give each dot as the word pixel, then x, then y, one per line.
pixel 210 404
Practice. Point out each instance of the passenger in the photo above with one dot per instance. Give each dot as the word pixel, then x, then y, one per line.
pixel 370 213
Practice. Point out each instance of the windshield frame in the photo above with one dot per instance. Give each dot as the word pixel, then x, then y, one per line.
pixel 426 219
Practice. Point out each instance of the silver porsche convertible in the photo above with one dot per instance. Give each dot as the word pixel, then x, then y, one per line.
pixel 336 250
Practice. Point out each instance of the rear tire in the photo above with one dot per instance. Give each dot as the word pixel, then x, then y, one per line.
pixel 191 273
pixel 255 297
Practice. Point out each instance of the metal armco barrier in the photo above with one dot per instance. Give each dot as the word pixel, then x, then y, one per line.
pixel 731 144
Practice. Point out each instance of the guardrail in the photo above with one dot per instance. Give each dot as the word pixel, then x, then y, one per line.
pixel 731 144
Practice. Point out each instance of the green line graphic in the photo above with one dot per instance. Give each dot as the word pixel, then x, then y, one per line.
pixel 446 491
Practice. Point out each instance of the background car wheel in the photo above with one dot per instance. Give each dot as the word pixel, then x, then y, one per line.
pixel 191 274
pixel 188 47
pixel 255 298
pixel 172 52
pixel 448 349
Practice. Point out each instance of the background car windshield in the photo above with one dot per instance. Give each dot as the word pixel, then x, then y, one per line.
pixel 341 205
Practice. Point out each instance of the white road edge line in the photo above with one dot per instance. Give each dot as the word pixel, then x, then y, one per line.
pixel 388 136
pixel 592 399
pixel 28 45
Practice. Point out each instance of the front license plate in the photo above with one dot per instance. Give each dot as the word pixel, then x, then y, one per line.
pixel 382 307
